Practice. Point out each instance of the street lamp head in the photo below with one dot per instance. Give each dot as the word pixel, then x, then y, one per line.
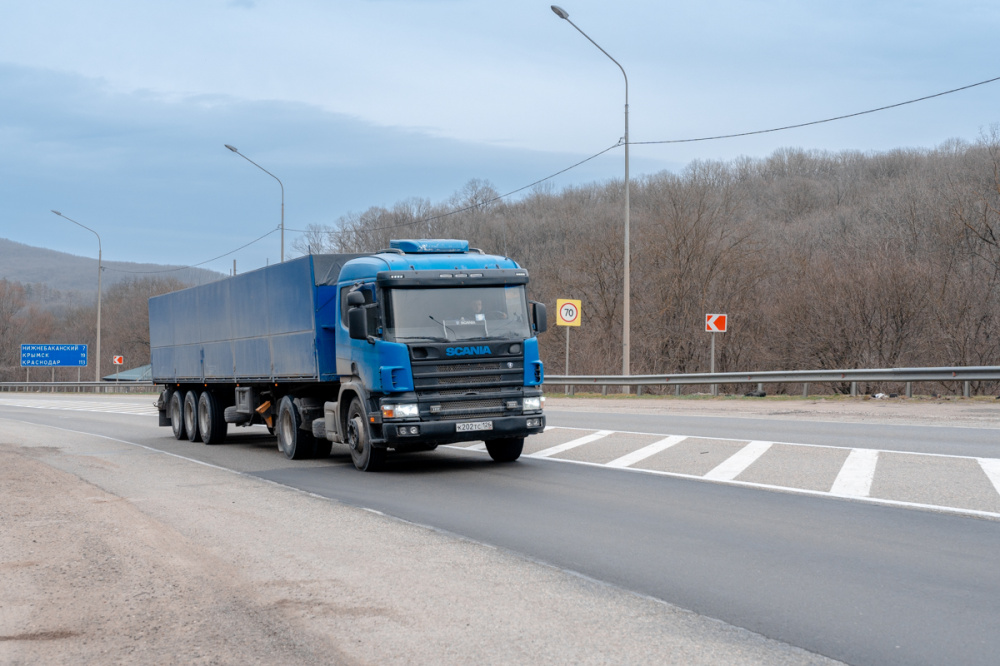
pixel 232 148
pixel 57 213
pixel 560 12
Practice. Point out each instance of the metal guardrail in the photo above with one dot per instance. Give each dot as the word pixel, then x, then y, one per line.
pixel 905 376
pixel 77 387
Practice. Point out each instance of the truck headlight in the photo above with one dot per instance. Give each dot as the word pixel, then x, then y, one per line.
pixel 532 404
pixel 400 411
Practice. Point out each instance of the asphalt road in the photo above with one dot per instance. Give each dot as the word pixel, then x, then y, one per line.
pixel 856 582
pixel 943 440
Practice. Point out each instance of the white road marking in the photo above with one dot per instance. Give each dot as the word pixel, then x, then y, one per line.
pixel 481 446
pixel 733 466
pixel 83 406
pixel 545 453
pixel 992 468
pixel 646 451
pixel 855 477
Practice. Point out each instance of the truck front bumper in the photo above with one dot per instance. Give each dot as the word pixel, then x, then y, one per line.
pixel 447 432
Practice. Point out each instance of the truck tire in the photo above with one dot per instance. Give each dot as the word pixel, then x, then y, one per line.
pixel 293 441
pixel 176 409
pixel 365 456
pixel 191 416
pixel 233 415
pixel 211 424
pixel 505 450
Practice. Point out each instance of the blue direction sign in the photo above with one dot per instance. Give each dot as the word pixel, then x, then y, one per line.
pixel 53 355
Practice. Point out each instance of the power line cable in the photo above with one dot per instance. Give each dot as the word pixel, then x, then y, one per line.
pixel 183 268
pixel 819 122
pixel 496 198
pixel 584 161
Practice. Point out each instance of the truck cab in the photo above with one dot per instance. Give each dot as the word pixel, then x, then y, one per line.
pixel 437 342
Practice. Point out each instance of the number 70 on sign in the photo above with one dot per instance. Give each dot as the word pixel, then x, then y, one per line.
pixel 568 311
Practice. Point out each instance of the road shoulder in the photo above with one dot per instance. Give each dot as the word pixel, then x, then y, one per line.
pixel 119 553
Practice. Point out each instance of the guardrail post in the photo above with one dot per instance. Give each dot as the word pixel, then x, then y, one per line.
pixel 571 389
pixel 677 390
pixel 604 389
pixel 760 387
pixel 967 390
pixel 638 390
pixel 854 389
pixel 805 390
pixel 909 389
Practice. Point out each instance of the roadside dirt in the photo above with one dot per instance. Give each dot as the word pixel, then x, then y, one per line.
pixel 113 554
pixel 964 412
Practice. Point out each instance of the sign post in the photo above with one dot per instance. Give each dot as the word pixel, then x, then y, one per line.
pixel 715 323
pixel 568 315
pixel 117 360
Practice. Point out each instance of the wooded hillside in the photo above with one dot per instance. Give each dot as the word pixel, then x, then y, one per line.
pixel 821 260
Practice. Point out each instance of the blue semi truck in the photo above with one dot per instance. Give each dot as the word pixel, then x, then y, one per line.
pixel 428 342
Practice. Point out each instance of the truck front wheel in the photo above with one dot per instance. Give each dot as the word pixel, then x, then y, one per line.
pixel 365 456
pixel 505 450
pixel 293 441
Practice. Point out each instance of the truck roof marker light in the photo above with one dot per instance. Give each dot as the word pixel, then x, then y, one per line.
pixel 431 246
pixel 446 275
pixel 475 275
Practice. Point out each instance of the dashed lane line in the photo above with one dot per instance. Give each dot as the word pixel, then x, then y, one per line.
pixel 735 465
pixel 545 453
pixel 992 468
pixel 856 476
pixel 639 455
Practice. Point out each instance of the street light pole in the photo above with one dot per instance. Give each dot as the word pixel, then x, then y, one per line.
pixel 563 14
pixel 97 374
pixel 235 150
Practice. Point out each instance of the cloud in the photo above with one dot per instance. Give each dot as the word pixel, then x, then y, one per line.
pixel 151 175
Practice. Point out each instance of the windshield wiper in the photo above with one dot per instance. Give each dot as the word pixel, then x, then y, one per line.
pixel 429 338
pixel 444 326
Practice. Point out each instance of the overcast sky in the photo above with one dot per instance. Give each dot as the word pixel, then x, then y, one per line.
pixel 116 112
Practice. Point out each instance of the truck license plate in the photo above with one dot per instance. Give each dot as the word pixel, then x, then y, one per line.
pixel 474 426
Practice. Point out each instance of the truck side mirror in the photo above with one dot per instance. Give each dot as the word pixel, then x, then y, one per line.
pixel 539 316
pixel 357 323
pixel 355 298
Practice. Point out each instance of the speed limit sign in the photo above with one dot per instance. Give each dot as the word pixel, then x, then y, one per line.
pixel 568 312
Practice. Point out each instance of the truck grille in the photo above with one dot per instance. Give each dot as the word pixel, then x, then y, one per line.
pixel 467 389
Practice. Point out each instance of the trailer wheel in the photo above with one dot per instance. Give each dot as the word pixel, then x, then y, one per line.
pixel 191 416
pixel 211 421
pixel 293 441
pixel 365 456
pixel 176 408
pixel 505 450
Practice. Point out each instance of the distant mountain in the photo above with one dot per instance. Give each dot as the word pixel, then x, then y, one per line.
pixel 53 278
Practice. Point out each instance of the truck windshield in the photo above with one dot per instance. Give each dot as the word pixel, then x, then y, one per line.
pixel 457 313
